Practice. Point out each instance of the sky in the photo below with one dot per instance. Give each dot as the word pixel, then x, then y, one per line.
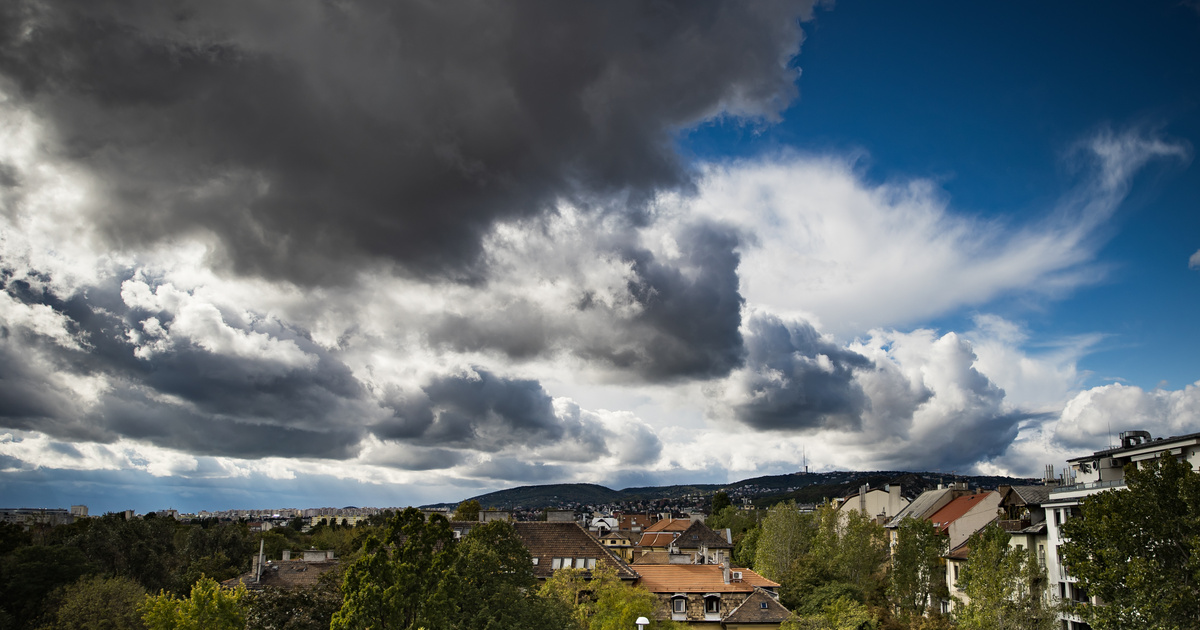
pixel 381 253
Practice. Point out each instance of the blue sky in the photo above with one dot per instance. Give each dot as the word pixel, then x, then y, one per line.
pixel 444 251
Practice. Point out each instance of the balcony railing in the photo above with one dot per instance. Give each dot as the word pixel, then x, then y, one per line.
pixel 1094 485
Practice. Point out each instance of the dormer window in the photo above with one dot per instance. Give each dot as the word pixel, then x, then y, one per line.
pixel 679 608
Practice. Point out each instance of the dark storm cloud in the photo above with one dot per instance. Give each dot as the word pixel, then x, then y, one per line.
pixel 691 310
pixel 312 136
pixel 795 380
pixel 686 312
pixel 186 398
pixel 480 410
pixel 513 469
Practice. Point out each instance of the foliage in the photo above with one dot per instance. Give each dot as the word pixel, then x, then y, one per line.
pixel 843 613
pixel 491 585
pixel 294 609
pixel 786 535
pixel 1006 586
pixel 917 577
pixel 12 537
pixel 467 511
pixel 209 607
pixel 98 603
pixel 720 501
pixel 602 601
pixel 389 584
pixel 737 521
pixel 418 576
pixel 745 549
pixel 846 557
pixel 1136 548
pixel 30 574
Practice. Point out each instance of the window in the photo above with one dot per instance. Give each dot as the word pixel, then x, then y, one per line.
pixel 679 605
pixel 712 604
pixel 560 563
pixel 762 605
pixel 535 561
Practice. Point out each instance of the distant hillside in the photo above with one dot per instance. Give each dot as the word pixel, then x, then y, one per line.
pixel 763 491
pixel 554 495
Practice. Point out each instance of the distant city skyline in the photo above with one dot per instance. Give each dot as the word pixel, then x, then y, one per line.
pixel 384 254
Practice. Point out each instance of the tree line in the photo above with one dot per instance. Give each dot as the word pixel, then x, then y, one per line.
pixel 1133 548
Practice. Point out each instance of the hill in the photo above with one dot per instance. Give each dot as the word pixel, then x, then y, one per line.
pixel 801 487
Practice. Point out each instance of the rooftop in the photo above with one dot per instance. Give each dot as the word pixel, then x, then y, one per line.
pixel 698 578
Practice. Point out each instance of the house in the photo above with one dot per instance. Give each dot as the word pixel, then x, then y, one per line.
pixel 699 544
pixel 1091 474
pixel 881 504
pixel 620 543
pixel 1024 517
pixel 660 535
pixel 760 611
pixel 554 546
pixel 923 507
pixel 708 595
pixel 955 560
pixel 966 515
pixel 634 522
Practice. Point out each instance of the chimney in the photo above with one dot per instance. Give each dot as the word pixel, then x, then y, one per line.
pixel 258 562
pixel 287 554
pixel 725 571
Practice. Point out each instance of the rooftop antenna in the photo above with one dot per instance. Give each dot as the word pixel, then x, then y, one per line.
pixel 1110 442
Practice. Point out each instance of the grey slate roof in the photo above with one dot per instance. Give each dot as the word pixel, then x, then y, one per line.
pixel 547 541
pixel 921 507
pixel 758 608
pixel 699 534
pixel 1033 495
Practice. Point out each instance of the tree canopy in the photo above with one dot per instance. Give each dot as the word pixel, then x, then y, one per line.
pixel 1005 586
pixel 419 576
pixel 209 607
pixel 1135 548
pixel 720 501
pixel 917 578
pixel 467 511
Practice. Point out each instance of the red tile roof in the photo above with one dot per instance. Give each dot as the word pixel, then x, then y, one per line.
pixel 656 539
pixel 670 525
pixel 697 578
pixel 955 509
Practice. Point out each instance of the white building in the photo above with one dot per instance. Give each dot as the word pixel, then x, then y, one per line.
pixel 1091 474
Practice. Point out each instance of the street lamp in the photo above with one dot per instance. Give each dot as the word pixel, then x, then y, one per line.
pixel 642 622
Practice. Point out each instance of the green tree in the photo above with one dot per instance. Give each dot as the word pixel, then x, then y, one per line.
pixel 29 575
pixel 209 607
pixel 1136 548
pixel 786 535
pixel 846 558
pixel 600 601
pixel 843 613
pixel 745 549
pixel 491 585
pixel 98 603
pixel 394 578
pixel 720 501
pixel 467 511
pixel 1006 586
pixel 917 577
